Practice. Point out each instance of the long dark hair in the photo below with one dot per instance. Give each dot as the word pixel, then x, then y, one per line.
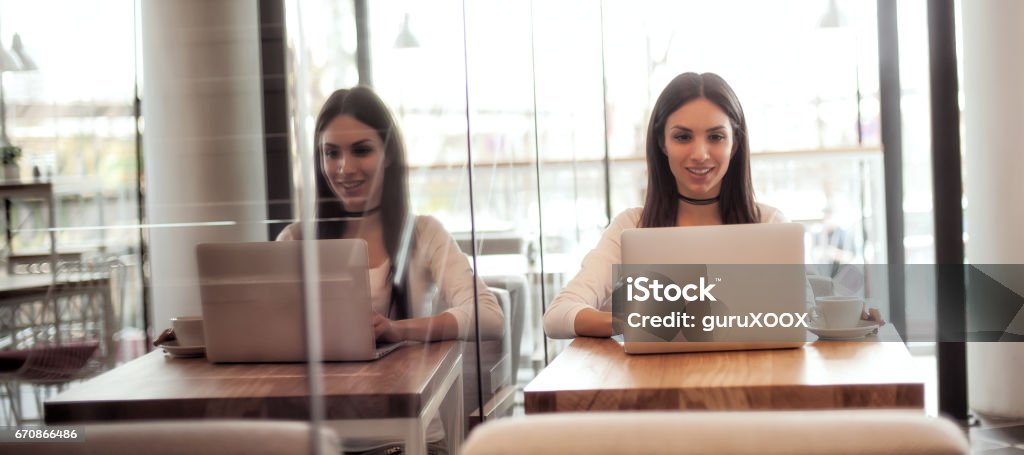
pixel 736 202
pixel 362 104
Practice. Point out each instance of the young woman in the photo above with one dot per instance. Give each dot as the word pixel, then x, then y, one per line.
pixel 363 193
pixel 416 268
pixel 698 173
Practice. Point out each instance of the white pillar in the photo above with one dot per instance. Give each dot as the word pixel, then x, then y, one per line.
pixel 203 139
pixel 994 111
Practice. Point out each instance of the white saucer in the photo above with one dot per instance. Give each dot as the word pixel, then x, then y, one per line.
pixel 863 329
pixel 172 348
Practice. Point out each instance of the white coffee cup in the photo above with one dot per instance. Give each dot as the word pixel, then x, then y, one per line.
pixel 840 311
pixel 189 330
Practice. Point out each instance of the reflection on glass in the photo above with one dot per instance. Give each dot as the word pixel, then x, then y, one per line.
pixel 69 185
pixel 546 109
pixel 421 285
pixel 362 186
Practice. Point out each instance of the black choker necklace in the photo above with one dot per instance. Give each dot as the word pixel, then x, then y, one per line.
pixel 690 200
pixel 362 214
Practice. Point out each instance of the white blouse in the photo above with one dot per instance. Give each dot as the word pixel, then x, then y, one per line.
pixel 592 286
pixel 380 288
pixel 440 280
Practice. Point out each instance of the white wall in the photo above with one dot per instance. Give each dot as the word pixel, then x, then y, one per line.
pixel 994 112
pixel 203 138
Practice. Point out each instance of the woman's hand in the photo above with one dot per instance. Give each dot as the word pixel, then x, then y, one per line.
pixel 386 329
pixel 593 323
pixel 431 328
pixel 872 314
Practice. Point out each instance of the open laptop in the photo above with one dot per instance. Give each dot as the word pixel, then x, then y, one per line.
pixel 253 301
pixel 754 269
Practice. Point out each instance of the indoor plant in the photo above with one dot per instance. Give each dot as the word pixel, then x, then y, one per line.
pixel 10 155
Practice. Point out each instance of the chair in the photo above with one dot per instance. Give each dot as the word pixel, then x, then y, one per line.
pixel 518 289
pixel 743 432
pixel 62 336
pixel 506 242
pixel 88 300
pixel 495 370
pixel 41 367
pixel 199 437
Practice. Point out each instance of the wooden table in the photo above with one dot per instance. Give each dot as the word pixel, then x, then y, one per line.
pixel 394 397
pixel 596 375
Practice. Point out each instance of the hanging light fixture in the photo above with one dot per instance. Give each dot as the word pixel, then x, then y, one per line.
pixel 8 61
pixel 14 60
pixel 27 63
pixel 405 39
pixel 833 18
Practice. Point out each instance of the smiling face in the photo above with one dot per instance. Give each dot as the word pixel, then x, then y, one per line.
pixel 698 142
pixel 353 161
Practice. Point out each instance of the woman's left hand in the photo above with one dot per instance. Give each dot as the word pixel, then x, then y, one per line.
pixel 386 329
pixel 872 314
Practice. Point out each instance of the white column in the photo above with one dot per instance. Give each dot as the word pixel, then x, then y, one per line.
pixel 994 111
pixel 203 139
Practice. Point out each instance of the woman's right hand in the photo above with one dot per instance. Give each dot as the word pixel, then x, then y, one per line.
pixel 385 329
pixel 872 314
pixel 593 323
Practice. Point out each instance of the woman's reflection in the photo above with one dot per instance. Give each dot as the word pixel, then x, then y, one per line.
pixel 421 284
pixel 363 193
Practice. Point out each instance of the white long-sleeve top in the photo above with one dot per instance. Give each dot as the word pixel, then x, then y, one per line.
pixel 592 286
pixel 440 279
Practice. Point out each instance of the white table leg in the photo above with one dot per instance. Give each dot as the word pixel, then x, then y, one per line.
pixel 416 440
pixel 457 432
pixel 414 430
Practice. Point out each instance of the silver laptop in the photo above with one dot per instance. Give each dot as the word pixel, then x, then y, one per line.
pixel 753 268
pixel 253 302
